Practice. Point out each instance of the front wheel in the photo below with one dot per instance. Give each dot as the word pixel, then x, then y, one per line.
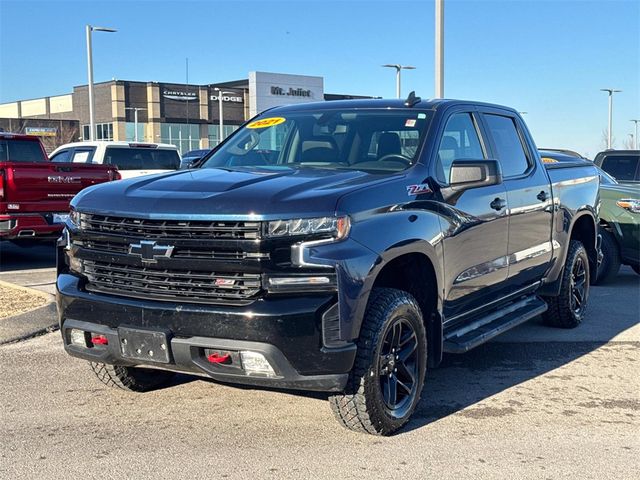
pixel 133 379
pixel 636 268
pixel 568 309
pixel 385 384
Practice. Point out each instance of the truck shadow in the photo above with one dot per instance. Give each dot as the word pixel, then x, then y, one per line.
pixel 27 256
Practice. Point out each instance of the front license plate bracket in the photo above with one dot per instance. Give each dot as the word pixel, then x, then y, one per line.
pixel 144 345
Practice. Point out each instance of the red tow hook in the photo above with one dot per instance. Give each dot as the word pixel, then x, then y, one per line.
pixel 99 340
pixel 217 358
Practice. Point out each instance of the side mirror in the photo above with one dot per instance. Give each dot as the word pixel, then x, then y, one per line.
pixel 466 174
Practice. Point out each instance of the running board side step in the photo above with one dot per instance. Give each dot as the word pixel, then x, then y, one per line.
pixel 471 335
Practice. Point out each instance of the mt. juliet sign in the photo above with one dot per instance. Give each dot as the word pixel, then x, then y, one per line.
pixel 290 92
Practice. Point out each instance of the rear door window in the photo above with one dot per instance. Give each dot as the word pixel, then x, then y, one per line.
pixel 508 144
pixel 142 158
pixel 622 167
pixel 83 155
pixel 21 151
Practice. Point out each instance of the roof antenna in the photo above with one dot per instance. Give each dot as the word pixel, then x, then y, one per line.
pixel 412 99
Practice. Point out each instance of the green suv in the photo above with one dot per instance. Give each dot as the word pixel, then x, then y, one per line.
pixel 619 219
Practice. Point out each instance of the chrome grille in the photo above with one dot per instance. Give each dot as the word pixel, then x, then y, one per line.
pixel 139 227
pixel 178 251
pixel 171 284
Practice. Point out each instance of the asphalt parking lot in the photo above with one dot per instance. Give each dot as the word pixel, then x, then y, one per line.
pixel 537 403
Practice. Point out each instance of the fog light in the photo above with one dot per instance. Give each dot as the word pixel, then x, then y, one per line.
pixel 78 337
pixel 255 363
pixel 75 265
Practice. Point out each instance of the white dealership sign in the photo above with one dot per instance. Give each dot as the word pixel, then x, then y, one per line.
pixel 268 90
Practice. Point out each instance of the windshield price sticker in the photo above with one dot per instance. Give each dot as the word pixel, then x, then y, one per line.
pixel 267 122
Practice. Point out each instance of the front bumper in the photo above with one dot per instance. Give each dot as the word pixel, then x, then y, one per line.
pixel 287 331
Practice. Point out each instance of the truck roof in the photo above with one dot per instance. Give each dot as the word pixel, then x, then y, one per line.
pixel 19 136
pixel 112 143
pixel 426 104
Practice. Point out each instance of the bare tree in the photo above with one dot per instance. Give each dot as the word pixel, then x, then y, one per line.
pixel 629 143
pixel 605 139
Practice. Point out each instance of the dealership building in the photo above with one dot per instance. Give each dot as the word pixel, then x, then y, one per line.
pixel 185 115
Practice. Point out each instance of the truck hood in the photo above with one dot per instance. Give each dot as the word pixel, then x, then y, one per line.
pixel 235 194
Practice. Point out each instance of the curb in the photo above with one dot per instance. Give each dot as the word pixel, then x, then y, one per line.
pixel 31 323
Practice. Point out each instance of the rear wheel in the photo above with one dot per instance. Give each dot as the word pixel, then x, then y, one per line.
pixel 610 265
pixel 636 268
pixel 133 379
pixel 385 384
pixel 568 309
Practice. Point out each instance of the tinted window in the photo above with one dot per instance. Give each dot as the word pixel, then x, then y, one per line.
pixel 62 156
pixel 21 151
pixel 509 148
pixel 459 140
pixel 142 159
pixel 621 167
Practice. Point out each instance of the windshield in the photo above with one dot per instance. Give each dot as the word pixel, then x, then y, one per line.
pixel 378 141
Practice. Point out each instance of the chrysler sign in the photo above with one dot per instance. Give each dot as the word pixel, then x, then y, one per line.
pixel 180 95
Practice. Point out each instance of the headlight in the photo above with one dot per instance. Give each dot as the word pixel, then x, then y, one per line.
pixel 74 217
pixel 630 204
pixel 337 227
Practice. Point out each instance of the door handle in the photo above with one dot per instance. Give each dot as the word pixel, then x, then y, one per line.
pixel 542 196
pixel 498 204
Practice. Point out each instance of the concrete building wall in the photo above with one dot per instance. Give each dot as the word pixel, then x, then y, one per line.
pixel 61 104
pixel 31 108
pixel 10 110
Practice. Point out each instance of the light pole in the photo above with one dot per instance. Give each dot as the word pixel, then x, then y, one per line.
pixel 636 135
pixel 398 69
pixel 135 120
pixel 92 120
pixel 611 91
pixel 439 45
pixel 221 93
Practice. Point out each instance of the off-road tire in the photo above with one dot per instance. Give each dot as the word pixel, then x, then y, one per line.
pixel 636 268
pixel 610 265
pixel 133 379
pixel 361 407
pixel 560 313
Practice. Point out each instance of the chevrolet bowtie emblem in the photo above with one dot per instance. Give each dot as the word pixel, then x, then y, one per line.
pixel 150 251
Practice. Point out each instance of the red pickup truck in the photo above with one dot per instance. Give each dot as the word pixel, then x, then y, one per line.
pixel 34 192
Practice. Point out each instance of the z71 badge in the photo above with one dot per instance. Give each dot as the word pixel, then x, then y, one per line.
pixel 418 189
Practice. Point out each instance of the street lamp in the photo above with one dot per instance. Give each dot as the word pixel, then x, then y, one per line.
pixel 398 69
pixel 92 120
pixel 636 135
pixel 439 49
pixel 135 119
pixel 611 91
pixel 221 93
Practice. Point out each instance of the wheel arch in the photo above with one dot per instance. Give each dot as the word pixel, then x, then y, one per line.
pixel 415 272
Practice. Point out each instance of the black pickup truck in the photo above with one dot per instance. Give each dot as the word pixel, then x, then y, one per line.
pixel 340 246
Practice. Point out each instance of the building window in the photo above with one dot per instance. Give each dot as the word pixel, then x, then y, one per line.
pixel 130 130
pixel 184 136
pixel 214 133
pixel 104 131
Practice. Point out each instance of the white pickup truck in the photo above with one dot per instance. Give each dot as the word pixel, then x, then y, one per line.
pixel 132 159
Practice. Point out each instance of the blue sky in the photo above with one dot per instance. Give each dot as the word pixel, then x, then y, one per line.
pixel 548 58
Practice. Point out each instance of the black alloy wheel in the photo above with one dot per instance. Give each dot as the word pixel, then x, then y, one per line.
pixel 398 367
pixel 578 286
